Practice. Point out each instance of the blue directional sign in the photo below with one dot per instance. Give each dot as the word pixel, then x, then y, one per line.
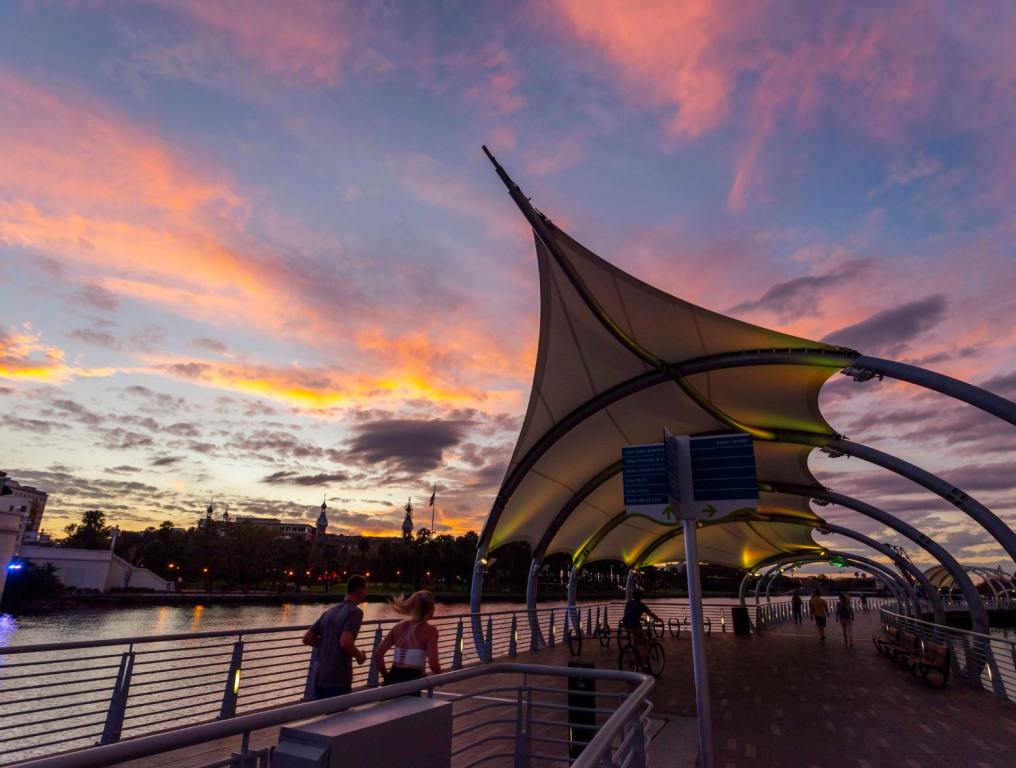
pixel 644 469
pixel 705 478
pixel 723 468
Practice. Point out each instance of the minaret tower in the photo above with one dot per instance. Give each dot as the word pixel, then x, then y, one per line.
pixel 407 524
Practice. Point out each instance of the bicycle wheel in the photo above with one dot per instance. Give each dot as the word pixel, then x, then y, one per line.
pixel 628 659
pixel 657 659
pixel 657 627
pixel 708 625
pixel 575 641
pixel 674 625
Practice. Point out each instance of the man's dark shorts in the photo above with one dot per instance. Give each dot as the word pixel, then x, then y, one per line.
pixel 820 621
pixel 327 691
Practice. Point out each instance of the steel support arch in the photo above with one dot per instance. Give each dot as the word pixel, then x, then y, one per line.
pixel 892 580
pixel 903 592
pixel 863 367
pixel 978 613
pixel 933 597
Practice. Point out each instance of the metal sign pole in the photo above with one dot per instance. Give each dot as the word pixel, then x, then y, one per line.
pixel 698 645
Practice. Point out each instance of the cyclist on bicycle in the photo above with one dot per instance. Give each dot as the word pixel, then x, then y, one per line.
pixel 634 610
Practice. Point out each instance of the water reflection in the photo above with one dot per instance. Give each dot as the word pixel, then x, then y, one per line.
pixel 196 621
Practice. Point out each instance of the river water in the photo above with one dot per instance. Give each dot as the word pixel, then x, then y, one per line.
pixel 108 623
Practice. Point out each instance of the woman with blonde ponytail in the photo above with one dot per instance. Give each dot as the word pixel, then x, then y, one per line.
pixel 414 640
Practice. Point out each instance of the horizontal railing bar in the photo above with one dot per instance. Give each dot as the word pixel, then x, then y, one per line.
pixel 197 652
pixel 47 731
pixel 174 679
pixel 239 634
pixel 56 646
pixel 66 683
pixel 66 694
pixel 65 717
pixel 50 743
pixel 55 672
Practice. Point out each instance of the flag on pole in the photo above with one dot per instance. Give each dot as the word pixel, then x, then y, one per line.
pixel 433 509
pixel 432 497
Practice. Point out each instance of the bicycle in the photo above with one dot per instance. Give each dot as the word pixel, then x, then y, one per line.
pixel 630 658
pixel 575 640
pixel 602 633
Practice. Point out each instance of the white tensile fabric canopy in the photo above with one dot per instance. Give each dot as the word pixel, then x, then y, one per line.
pixel 592 396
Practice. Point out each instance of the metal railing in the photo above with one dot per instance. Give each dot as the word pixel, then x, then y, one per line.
pixel 770 614
pixel 983 661
pixel 521 713
pixel 63 696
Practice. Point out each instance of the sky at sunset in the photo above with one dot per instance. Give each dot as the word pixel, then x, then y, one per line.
pixel 253 250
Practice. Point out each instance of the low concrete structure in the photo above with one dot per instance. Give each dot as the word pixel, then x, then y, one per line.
pixel 94 569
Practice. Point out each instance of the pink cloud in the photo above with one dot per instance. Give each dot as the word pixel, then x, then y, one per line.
pixel 771 69
pixel 305 43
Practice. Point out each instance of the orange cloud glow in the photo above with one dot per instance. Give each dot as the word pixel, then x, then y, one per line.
pixel 323 388
pixel 23 357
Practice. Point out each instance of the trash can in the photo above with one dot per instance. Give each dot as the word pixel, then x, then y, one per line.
pixel 742 624
pixel 581 697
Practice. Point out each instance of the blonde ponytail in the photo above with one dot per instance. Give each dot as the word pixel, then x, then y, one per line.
pixel 419 605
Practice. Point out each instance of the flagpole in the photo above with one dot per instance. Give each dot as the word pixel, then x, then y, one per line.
pixel 433 509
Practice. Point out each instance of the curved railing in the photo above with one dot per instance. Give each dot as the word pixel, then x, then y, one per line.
pixel 984 661
pixel 528 713
pixel 63 696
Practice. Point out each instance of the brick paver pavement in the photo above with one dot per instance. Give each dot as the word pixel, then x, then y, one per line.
pixel 781 698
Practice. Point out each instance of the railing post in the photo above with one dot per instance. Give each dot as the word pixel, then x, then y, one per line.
pixel 232 690
pixel 997 683
pixel 550 630
pixel 598 624
pixel 490 638
pixel 312 665
pixel 567 620
pixel 589 622
pixel 372 672
pixel 638 743
pixel 522 718
pixel 457 651
pixel 118 700
pixel 513 638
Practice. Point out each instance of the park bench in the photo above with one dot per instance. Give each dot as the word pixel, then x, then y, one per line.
pixel 935 659
pixel 904 651
pixel 887 638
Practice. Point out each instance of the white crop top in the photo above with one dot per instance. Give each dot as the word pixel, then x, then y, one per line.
pixel 408 652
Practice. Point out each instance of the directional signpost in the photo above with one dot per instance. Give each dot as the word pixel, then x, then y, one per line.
pixel 692 479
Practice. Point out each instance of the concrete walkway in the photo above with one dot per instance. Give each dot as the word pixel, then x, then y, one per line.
pixel 782 698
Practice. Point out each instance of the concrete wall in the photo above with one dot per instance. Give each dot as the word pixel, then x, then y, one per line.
pixel 96 569
pixel 10 523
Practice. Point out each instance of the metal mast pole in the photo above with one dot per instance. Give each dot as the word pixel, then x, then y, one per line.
pixel 698 645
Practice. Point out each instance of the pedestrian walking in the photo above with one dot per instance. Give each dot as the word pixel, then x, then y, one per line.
pixel 797 606
pixel 845 615
pixel 819 612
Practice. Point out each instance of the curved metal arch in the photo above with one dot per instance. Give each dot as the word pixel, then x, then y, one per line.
pixel 978 613
pixel 936 600
pixel 902 588
pixel 706 364
pixel 895 582
pixel 764 517
pixel 882 575
pixel 864 367
pixel 987 579
pixel 605 474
